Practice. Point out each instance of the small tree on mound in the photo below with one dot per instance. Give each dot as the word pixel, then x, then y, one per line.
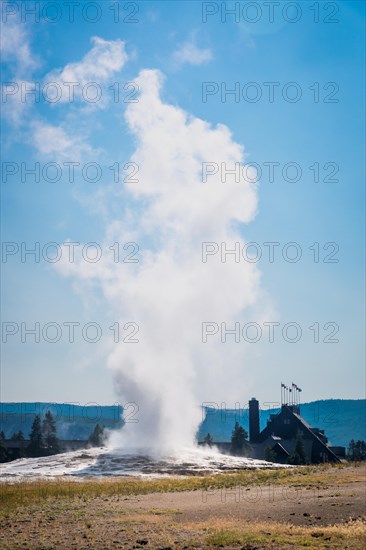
pixel 238 440
pixel 208 440
pixel 97 437
pixel 298 456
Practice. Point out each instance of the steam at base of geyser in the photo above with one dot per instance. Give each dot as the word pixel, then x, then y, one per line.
pixel 156 425
pixel 108 462
pixel 120 444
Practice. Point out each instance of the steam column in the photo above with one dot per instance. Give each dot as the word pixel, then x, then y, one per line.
pixel 253 420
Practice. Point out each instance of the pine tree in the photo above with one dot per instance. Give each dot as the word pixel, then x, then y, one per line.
pixel 238 439
pixel 351 449
pixel 52 444
pixel 36 447
pixel 362 450
pixel 357 450
pixel 20 437
pixel 97 437
pixel 298 456
pixel 17 436
pixel 208 440
pixel 3 451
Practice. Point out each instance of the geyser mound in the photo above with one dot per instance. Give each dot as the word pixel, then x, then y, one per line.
pixel 109 462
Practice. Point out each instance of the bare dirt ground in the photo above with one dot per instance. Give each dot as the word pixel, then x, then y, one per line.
pixel 327 510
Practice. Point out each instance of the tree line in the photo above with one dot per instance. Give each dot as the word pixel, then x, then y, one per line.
pixel 43 440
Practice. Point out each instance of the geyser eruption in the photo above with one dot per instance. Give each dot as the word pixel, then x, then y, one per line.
pixel 171 291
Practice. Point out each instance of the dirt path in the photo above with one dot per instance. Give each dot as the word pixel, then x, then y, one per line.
pixel 300 506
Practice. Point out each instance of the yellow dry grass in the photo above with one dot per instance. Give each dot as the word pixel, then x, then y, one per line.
pixel 93 514
pixel 284 535
pixel 15 495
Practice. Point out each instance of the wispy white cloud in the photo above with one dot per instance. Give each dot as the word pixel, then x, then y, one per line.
pixel 14 107
pixel 189 52
pixel 57 143
pixel 105 59
pixel 15 47
pixel 16 52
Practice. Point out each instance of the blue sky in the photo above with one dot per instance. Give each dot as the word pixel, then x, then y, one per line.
pixel 327 129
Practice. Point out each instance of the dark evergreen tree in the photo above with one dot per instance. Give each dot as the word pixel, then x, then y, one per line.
pixel 357 450
pixel 36 447
pixel 17 436
pixel 21 438
pixel 97 437
pixel 362 450
pixel 208 440
pixel 238 440
pixel 51 443
pixel 298 456
pixel 3 451
pixel 351 449
pixel 2 436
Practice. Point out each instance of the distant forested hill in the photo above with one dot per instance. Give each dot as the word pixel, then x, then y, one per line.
pixel 72 421
pixel 341 419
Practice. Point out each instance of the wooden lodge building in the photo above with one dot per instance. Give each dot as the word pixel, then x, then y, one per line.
pixel 280 436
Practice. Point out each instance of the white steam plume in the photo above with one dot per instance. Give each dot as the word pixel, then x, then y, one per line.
pixel 170 292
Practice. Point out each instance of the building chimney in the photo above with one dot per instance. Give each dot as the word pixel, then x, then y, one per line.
pixel 253 420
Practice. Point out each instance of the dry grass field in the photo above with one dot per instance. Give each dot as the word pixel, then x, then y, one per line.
pixel 308 507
